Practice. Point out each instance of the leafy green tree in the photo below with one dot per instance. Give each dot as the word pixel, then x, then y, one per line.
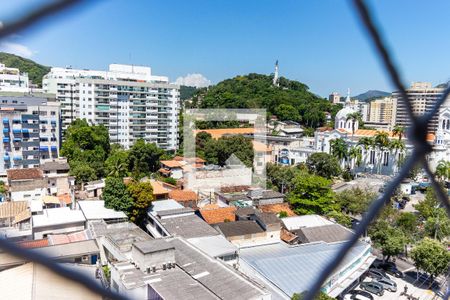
pixel 86 144
pixel 381 140
pixel 407 222
pixel 82 172
pixel 398 131
pixel 431 256
pixel 2 187
pixel 142 195
pixel 287 112
pixel 323 164
pixel 302 296
pixel 116 195
pixel 340 218
pixel 427 207
pixel 311 194
pixel 389 239
pixel 355 201
pixel 218 151
pixel 355 156
pixel 281 176
pixel 437 226
pixel 170 180
pixel 144 158
pixel 443 170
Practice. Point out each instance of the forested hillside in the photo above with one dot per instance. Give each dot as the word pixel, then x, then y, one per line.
pixel 35 71
pixel 292 100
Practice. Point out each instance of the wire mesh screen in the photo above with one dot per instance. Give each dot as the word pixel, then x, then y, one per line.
pixel 416 134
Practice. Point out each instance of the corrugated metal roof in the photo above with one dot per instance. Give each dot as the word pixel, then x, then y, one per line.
pixel 294 268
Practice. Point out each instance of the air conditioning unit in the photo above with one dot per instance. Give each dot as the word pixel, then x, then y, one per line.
pixel 153 269
pixel 164 266
pixel 85 258
pixel 169 265
pixel 148 270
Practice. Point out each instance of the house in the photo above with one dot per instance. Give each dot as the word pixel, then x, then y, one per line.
pixel 242 233
pixel 214 214
pixel 171 168
pixel 187 198
pixel 93 189
pixel 161 189
pixel 15 220
pixel 80 252
pixel 57 220
pixel 33 281
pixel 262 197
pixel 26 184
pixel 96 210
pixel 56 172
pixel 251 196
pixel 169 218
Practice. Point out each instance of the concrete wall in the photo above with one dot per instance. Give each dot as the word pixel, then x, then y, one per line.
pixel 39 232
pixel 156 259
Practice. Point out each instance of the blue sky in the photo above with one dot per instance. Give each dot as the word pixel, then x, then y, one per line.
pixel 317 42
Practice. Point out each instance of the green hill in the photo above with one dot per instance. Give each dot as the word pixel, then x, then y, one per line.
pixel 35 71
pixel 292 100
pixel 186 92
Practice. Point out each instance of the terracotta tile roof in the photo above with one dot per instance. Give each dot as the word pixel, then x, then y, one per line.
pixel 164 171
pixel 57 239
pixel 171 163
pixel 50 199
pixel 217 133
pixel 234 189
pixel 277 208
pixel 23 174
pixel 65 198
pixel 158 188
pixel 260 147
pixel 178 158
pixel 12 208
pixel 287 236
pixel 213 214
pixel 183 195
pixel 33 244
pixel 196 159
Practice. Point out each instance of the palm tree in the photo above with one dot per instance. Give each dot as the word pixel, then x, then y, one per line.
pixel 397 146
pixel 398 131
pixel 354 117
pixel 354 153
pixel 443 170
pixel 118 169
pixel 366 142
pixel 339 149
pixel 381 140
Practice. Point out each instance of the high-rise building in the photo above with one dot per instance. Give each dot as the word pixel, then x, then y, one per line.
pixel 334 98
pixel 382 110
pixel 422 96
pixel 11 80
pixel 30 129
pixel 130 101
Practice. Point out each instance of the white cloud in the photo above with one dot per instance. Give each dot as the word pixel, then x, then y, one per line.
pixel 196 79
pixel 16 48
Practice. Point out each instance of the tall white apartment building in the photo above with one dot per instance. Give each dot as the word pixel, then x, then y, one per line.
pixel 422 96
pixel 130 101
pixel 11 80
pixel 30 128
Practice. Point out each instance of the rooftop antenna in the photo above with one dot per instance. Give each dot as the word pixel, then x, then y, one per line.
pixel 275 76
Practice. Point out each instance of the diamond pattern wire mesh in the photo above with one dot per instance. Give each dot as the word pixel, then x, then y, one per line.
pixel 416 135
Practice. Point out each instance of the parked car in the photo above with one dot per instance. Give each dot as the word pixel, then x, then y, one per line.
pixel 391 268
pixel 388 284
pixel 373 287
pixel 358 295
pixel 377 273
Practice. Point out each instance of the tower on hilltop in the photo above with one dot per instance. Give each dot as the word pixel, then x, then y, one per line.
pixel 275 75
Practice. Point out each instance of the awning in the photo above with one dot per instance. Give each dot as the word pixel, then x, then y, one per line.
pixel 17 158
pixel 25 130
pixel 50 200
pixel 5 140
pixel 53 122
pixel 16 140
pixel 16 120
pixel 43 148
pixel 54 148
pixel 16 130
pixel 5 120
pixel 5 130
pixel 6 157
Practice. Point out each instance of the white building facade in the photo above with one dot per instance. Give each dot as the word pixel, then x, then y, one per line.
pixel 11 80
pixel 130 101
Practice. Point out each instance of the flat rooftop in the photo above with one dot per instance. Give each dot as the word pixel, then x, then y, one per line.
pixel 58 216
pixel 189 226
pixel 96 210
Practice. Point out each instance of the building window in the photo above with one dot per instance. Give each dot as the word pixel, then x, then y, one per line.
pixel 385 158
pixel 372 157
